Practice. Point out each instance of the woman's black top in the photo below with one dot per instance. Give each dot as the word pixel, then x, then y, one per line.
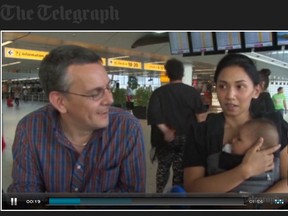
pixel 263 103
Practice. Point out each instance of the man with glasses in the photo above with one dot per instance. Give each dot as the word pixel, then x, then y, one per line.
pixel 77 142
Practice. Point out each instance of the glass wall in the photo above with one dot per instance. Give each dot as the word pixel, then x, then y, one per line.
pixel 151 82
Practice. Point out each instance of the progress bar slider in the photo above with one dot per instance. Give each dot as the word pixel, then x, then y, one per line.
pixel 215 201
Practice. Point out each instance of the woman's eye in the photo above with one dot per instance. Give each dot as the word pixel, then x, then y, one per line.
pixel 240 86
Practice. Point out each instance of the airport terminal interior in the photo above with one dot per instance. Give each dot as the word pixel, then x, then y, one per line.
pixel 136 57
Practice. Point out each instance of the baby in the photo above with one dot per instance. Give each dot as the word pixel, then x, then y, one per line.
pixel 250 132
pixel 232 154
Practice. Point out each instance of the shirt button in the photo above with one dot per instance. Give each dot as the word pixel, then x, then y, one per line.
pixel 78 167
pixel 76 189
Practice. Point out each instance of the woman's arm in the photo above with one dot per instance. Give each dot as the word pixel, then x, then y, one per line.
pixel 282 185
pixel 196 181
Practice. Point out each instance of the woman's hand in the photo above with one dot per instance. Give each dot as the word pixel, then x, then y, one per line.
pixel 258 161
pixel 169 135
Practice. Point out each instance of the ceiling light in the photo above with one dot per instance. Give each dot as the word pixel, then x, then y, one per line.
pixel 156 62
pixel 119 57
pixel 11 41
pixel 267 59
pixel 12 63
pixel 205 70
pixel 116 71
pixel 6 43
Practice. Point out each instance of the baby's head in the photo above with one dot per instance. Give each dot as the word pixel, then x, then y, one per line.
pixel 251 131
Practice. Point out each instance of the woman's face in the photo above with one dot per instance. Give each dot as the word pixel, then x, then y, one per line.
pixel 235 90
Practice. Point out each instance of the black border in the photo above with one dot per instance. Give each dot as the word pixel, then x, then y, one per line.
pixel 179 15
pixel 147 15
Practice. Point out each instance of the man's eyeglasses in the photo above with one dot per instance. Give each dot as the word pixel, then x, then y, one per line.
pixel 99 92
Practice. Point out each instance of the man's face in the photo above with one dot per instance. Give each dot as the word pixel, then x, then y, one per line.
pixel 86 112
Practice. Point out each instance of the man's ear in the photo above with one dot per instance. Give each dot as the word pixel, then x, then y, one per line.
pixel 58 101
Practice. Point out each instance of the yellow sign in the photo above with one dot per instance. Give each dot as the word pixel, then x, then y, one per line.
pixel 154 67
pixel 24 54
pixel 164 78
pixel 124 64
pixel 30 54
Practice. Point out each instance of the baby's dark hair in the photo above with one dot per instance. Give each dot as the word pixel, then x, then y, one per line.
pixel 263 127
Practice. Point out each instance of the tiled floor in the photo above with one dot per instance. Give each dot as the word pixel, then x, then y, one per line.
pixel 11 115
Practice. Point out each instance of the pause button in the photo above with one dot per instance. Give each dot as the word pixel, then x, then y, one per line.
pixel 13 201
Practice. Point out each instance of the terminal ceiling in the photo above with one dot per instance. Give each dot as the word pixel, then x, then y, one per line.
pixel 140 46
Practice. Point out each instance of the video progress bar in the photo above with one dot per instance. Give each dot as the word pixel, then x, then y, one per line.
pixel 215 201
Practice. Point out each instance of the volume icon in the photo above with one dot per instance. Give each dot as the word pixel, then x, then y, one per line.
pixel 13 201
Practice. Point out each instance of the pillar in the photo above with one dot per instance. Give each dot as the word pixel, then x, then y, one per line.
pixel 188 72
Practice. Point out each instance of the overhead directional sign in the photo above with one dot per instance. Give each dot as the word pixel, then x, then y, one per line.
pixel 24 54
pixel 30 54
pixel 154 67
pixel 124 64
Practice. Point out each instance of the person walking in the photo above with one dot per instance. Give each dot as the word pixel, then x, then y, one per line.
pixel 25 94
pixel 279 101
pixel 17 97
pixel 172 109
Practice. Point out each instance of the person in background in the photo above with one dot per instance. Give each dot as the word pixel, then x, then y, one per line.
pixel 129 98
pixel 25 94
pixel 264 102
pixel 172 109
pixel 4 202
pixel 279 100
pixel 17 96
pixel 9 101
pixel 236 80
pixel 3 144
pixel 77 142
pixel 232 155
